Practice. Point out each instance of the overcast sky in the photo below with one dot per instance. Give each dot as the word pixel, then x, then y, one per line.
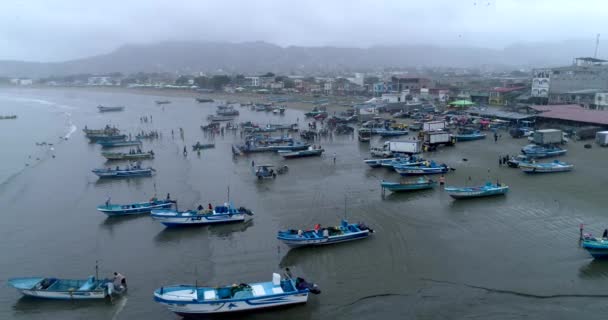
pixel 56 30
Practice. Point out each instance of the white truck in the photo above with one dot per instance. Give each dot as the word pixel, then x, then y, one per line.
pixel 408 147
pixel 602 138
pixel 433 139
pixel 433 126
pixel 548 136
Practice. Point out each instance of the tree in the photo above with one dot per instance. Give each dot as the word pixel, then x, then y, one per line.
pixel 239 79
pixel 218 82
pixel 288 83
pixel 202 82
pixel 268 74
pixel 181 81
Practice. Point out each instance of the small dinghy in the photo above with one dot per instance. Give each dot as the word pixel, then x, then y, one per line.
pixel 489 189
pixel 597 247
pixel 322 236
pixel 546 167
pixel 134 208
pixel 220 214
pixel 67 289
pixel 190 300
pixel 419 184
pixel 138 155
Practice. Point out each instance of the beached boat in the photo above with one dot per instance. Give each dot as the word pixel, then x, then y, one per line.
pixel 546 167
pixel 425 168
pixel 66 289
pixel 227 112
pixel 191 300
pixel 402 162
pixel 106 137
pixel 134 208
pixel 8 117
pixel 200 146
pixel 251 147
pixel 537 151
pixel 475 135
pixel 107 131
pixel 376 163
pixel 215 118
pixel 489 189
pixel 322 236
pixel 315 113
pixel 128 156
pixel 597 247
pixel 310 152
pixel 389 132
pixel 119 143
pixel 419 184
pixel 132 171
pixel 203 100
pixel 220 214
pixel 110 109
pixel 515 162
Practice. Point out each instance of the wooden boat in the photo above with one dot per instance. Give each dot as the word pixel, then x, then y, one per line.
pixel 66 289
pixel 310 152
pixel 322 236
pixel 105 137
pixel 475 135
pixel 128 156
pixel 159 102
pixel 315 113
pixel 134 208
pixel 105 131
pixel 215 118
pixel 204 100
pixel 489 189
pixel 425 168
pixel 110 109
pixel 419 184
pixel 133 171
pixel 402 162
pixel 220 214
pixel 536 151
pixel 200 146
pixel 546 167
pixel 119 143
pixel 192 300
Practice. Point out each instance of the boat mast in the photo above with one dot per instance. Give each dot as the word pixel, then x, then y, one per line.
pixel 96 270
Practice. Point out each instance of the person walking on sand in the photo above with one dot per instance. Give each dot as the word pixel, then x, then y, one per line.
pixel 335 158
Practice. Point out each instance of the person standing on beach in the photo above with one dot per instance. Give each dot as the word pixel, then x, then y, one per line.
pixel 335 158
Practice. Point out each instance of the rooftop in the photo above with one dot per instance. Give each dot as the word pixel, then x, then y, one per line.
pixel 590 59
pixel 493 113
pixel 572 112
pixel 507 89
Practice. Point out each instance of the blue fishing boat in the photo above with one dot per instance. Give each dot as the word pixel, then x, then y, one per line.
pixel 419 184
pixel 424 169
pixel 377 163
pixel 106 137
pixel 253 147
pixel 597 247
pixel 130 171
pixel 311 152
pixel 536 151
pixel 192 300
pixel 134 208
pixel 390 132
pixel 489 189
pixel 403 162
pixel 119 143
pixel 469 136
pixel 546 167
pixel 515 162
pixel 220 214
pixel 110 109
pixel 322 236
pixel 67 289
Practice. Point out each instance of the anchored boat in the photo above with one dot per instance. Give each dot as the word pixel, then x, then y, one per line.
pixel 134 208
pixel 110 109
pixel 536 151
pixel 425 168
pixel 597 247
pixel 188 300
pixel 67 289
pixel 546 167
pixel 200 146
pixel 119 143
pixel 311 152
pixel 322 236
pixel 131 171
pixel 128 156
pixel 489 189
pixel 220 214
pixel 419 184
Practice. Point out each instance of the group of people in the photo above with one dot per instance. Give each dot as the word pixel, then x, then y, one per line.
pixel 144 119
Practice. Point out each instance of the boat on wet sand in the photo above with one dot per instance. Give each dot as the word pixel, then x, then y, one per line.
pixel 538 151
pixel 134 208
pixel 310 152
pixel 489 189
pixel 220 214
pixel 110 109
pixel 470 136
pixel 119 143
pixel 597 247
pixel 130 171
pixel 322 236
pixel 546 167
pixel 190 300
pixel 67 289
pixel 128 156
pixel 200 146
pixel 418 184
pixel 425 168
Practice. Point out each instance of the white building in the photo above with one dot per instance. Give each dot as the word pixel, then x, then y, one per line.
pixel 358 79
pixel 253 81
pixel 100 81
pixel 22 81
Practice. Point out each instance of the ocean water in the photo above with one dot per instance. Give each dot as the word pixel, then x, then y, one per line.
pixel 432 257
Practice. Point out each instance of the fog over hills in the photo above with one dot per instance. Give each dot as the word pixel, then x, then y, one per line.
pixel 257 57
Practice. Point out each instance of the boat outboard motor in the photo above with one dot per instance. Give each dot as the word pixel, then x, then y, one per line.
pixel 301 284
pixel 245 211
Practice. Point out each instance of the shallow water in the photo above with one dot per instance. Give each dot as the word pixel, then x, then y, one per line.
pixel 432 257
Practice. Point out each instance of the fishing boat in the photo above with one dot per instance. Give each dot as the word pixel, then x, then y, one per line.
pixel 252 147
pixel 227 112
pixel 200 146
pixel 364 135
pixel 470 136
pixel 402 162
pixel 515 162
pixel 203 100
pixel 220 214
pixel 134 208
pixel 322 236
pixel 67 289
pixel 597 247
pixel 105 137
pixel 419 184
pixel 119 143
pixel 128 156
pixel 11 117
pixel 310 152
pixel 536 151
pixel 159 102
pixel 315 113
pixel 489 189
pixel 376 163
pixel 215 118
pixel 546 167
pixel 191 300
pixel 105 131
pixel 389 132
pixel 130 171
pixel 425 168
pixel 110 109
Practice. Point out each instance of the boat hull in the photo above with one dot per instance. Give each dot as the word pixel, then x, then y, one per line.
pixel 597 249
pixel 535 169
pixel 110 211
pixel 320 241
pixel 169 220
pixel 123 174
pixel 469 137
pixel 398 187
pixel 470 194
pixel 420 171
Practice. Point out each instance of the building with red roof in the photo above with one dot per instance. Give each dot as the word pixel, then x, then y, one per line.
pixel 571 114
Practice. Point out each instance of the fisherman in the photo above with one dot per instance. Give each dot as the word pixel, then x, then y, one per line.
pixel 495 137
pixel 119 280
pixel 108 202
pixel 200 208
pixel 210 207
pixel 442 180
pixel 335 158
pixel 168 196
pixel 605 234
